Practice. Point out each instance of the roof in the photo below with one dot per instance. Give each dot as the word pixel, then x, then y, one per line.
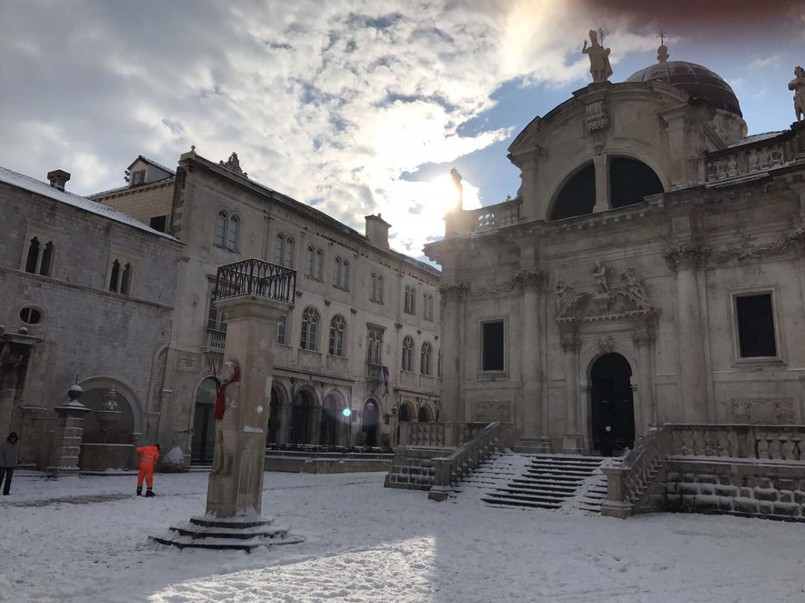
pixel 756 138
pixel 697 81
pixel 152 162
pixel 45 190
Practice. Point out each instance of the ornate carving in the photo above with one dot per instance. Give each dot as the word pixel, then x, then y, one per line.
pixel 763 411
pixel 488 411
pixel 630 299
pixel 686 256
pixel 233 163
pixel 606 344
pixel 530 278
pixel 596 117
pixel 525 278
pixel 747 250
pixel 453 291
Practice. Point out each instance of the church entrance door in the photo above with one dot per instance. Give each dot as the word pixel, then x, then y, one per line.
pixel 612 404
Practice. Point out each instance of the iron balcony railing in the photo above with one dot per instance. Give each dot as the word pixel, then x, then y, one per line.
pixel 256 277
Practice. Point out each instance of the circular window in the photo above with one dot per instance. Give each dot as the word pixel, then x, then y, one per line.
pixel 30 316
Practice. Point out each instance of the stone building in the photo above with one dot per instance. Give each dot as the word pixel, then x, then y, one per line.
pixel 649 270
pixel 364 334
pixel 87 296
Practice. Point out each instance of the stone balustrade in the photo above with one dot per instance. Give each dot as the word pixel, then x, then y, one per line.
pixel 424 434
pixel 485 218
pixel 449 470
pixel 638 485
pixel 749 160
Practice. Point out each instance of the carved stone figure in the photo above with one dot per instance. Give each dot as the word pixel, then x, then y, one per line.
pixel 601 274
pixel 798 86
pixel 227 420
pixel 599 58
pixel 634 284
pixel 564 295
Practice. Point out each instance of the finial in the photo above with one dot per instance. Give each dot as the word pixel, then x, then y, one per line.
pixel 662 51
pixel 193 148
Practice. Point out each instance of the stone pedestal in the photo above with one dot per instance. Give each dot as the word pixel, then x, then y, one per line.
pixel 234 494
pixel 67 442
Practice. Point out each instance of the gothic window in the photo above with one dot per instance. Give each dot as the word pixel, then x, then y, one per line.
pixel 338 329
pixel 341 274
pixel 282 330
pixel 318 265
pixel 439 364
pixel 314 263
pixel 310 327
pixel 427 306
pixel 120 277
pixel 410 300
pixel 40 258
pixel 227 228
pixel 215 318
pixel 377 288
pixel 408 354
pixel 756 337
pixel 283 250
pixel 424 361
pixel 374 346
pixel 492 348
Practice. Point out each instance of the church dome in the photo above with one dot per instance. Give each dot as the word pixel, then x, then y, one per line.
pixel 695 80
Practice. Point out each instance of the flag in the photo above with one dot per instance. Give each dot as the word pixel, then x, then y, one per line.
pixel 385 373
pixel 382 381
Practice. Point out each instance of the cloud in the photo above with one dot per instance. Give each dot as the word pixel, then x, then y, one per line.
pixel 327 102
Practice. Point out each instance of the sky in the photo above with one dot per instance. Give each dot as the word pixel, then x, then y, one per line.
pixel 354 107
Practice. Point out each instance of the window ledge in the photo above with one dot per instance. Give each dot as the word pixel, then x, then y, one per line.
pixel 759 361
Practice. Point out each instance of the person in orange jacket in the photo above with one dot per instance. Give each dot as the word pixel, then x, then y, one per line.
pixel 148 458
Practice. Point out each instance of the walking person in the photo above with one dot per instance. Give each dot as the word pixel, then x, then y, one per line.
pixel 148 458
pixel 9 459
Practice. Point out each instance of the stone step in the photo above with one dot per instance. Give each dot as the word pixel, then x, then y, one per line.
pixel 520 503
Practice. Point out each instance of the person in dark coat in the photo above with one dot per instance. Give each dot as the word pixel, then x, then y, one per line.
pixel 9 459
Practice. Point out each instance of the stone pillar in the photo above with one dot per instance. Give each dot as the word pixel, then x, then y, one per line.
pixel 685 258
pixel 451 314
pixel 285 422
pixel 602 201
pixel 236 483
pixel 643 340
pixel 570 349
pixel 534 432
pixel 67 438
pixel 315 428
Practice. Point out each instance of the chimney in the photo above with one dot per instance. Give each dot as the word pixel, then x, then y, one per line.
pixel 58 178
pixel 377 230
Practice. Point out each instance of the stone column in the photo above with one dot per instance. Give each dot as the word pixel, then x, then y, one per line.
pixel 643 340
pixel 285 422
pixel 67 441
pixel 685 258
pixel 236 484
pixel 315 428
pixel 533 430
pixel 602 201
pixel 452 400
pixel 570 349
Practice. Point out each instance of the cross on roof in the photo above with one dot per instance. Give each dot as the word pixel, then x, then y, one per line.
pixel 661 36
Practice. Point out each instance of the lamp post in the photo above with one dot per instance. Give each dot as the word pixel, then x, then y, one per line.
pixel 347 412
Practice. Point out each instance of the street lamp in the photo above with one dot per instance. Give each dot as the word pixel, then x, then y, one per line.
pixel 347 412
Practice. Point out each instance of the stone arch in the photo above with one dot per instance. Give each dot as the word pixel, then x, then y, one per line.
pixel 611 402
pixel 279 400
pixel 333 430
pixel 125 394
pixel 406 412
pixel 425 413
pixel 370 422
pixel 304 408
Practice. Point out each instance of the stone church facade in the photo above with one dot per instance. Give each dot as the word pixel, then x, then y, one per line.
pixel 649 270
pixel 363 336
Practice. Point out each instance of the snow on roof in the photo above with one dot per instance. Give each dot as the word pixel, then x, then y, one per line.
pixel 42 188
pixel 755 138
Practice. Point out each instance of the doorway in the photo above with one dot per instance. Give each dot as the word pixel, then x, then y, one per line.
pixel 370 423
pixel 612 404
pixel 203 443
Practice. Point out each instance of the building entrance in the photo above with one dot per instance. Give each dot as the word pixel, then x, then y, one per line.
pixel 612 404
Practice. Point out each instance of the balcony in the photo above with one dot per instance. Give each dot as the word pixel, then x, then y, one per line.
pixel 258 278
pixel 216 340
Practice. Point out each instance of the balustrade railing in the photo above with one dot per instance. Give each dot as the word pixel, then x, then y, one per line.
pixel 494 216
pixel 216 340
pixel 256 277
pixel 628 484
pixel 449 470
pixel 425 434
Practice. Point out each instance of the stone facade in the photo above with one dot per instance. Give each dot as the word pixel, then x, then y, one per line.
pixel 87 296
pixel 611 291
pixel 221 216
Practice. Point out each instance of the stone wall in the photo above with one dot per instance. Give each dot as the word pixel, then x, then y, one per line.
pixel 412 468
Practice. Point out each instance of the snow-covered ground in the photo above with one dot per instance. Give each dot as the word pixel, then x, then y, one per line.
pixel 87 539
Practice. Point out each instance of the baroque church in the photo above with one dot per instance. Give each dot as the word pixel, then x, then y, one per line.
pixel 648 271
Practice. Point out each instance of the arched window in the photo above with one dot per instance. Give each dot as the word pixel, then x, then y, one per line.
pixel 282 330
pixel 424 361
pixel 374 347
pixel 283 250
pixel 221 223
pixel 337 272
pixel 33 256
pixel 115 276
pixel 424 415
pixel 427 302
pixel 47 259
pixel 39 259
pixel 338 329
pixel 310 327
pixel 341 274
pixel 125 281
pixel 408 354
pixel 345 275
pixel 379 297
pixel 232 233
pixel 318 265
pixel 409 301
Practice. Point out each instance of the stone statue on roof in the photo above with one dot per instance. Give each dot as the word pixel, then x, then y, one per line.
pixel 459 187
pixel 798 86
pixel 599 58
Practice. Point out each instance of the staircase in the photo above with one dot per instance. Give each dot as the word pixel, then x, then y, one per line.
pixel 544 481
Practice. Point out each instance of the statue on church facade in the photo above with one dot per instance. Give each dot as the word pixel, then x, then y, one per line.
pixel 601 274
pixel 798 86
pixel 599 58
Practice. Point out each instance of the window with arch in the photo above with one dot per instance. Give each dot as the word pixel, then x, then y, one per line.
pixel 314 263
pixel 282 331
pixel 227 229
pixel 120 277
pixel 310 328
pixel 427 305
pixel 341 274
pixel 377 288
pixel 408 354
pixel 409 307
pixel 374 346
pixel 424 360
pixel 39 259
pixel 284 246
pixel 338 330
